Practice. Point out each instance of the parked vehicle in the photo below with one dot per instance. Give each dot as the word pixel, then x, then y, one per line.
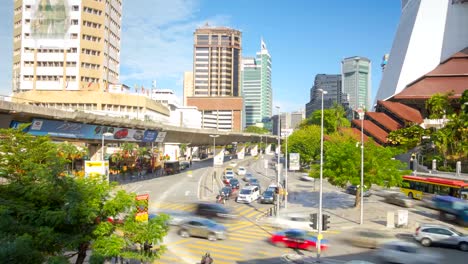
pixel 248 194
pixel 203 228
pixel 298 239
pixel 430 234
pixel 352 189
pixel 171 167
pixel 399 199
pixel 406 253
pixel 451 208
pixel 268 196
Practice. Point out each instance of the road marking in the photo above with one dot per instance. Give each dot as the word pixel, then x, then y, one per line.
pixel 239 227
pixel 215 255
pixel 177 242
pixel 215 249
pixel 217 245
pixel 252 214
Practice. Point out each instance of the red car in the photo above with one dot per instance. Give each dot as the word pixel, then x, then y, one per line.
pixel 296 238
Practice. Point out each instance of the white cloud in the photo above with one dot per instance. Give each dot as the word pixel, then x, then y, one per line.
pixel 6 47
pixel 157 39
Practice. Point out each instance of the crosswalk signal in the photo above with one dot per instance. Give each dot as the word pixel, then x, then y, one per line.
pixel 325 222
pixel 313 220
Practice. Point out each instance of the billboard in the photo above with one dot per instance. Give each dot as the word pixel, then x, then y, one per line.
pixel 254 151
pixel 219 158
pixel 241 154
pixel 294 161
pixel 42 127
pixel 96 168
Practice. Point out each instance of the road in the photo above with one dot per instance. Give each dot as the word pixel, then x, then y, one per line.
pixel 247 239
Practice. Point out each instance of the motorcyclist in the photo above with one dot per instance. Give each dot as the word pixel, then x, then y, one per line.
pixel 206 259
pixel 221 197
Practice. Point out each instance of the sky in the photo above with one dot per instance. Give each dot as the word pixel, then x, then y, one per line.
pixel 304 38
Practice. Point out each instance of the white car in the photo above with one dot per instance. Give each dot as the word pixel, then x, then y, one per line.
pixel 296 221
pixel 248 194
pixel 241 171
pixel 228 175
pixel 233 164
pixel 407 253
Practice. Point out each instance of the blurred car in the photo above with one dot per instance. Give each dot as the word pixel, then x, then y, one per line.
pixel 295 220
pixel 184 165
pixel 247 177
pixel 399 199
pixel 298 239
pixel 234 183
pixel 232 164
pixel 431 234
pixel 358 262
pixel 268 197
pixel 241 171
pixel 203 228
pixel 406 253
pixel 212 210
pixel 306 177
pixel 175 217
pixel 368 238
pixel 352 189
pixel 248 194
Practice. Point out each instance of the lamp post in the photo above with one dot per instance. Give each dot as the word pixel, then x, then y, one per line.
pixel 286 174
pixel 278 165
pixel 214 155
pixel 321 181
pixel 107 134
pixel 361 116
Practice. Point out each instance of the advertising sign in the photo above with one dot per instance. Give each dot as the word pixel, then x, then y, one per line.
pixel 96 168
pixel 42 127
pixel 241 153
pixel 142 201
pixel 160 137
pixel 219 158
pixel 254 151
pixel 294 161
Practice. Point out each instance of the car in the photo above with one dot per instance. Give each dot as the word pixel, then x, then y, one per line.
pixel 406 253
pixel 352 189
pixel 298 239
pixel 367 238
pixel 292 220
pixel 241 171
pixel 203 228
pixel 234 183
pixel 175 217
pixel 254 182
pixel 247 177
pixel 226 191
pixel 184 165
pixel 248 194
pixel 228 176
pixel 228 169
pixel 232 164
pixel 306 177
pixel 268 196
pixel 213 210
pixel 432 234
pixel 399 199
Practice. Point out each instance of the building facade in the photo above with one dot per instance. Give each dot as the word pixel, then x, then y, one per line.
pixel 256 87
pixel 216 80
pixel 444 22
pixel 66 45
pixel 188 86
pixel 331 83
pixel 356 81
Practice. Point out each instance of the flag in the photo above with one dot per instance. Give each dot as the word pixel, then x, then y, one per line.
pixel 263 45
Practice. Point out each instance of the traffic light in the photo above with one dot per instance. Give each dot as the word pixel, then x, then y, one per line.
pixel 313 220
pixel 325 222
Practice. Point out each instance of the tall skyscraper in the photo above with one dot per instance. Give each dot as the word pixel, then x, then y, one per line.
pixel 216 68
pixel 66 44
pixel 356 79
pixel 330 83
pixel 444 22
pixel 256 87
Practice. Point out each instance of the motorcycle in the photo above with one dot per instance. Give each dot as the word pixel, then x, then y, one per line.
pixel 221 199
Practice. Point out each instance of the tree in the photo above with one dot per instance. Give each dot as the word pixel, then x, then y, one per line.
pixel 439 105
pixel 71 152
pixel 409 137
pixel 45 212
pixel 256 130
pixel 306 142
pixel 342 163
pixel 333 119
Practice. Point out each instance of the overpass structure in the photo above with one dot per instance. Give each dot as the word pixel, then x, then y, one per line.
pixel 11 111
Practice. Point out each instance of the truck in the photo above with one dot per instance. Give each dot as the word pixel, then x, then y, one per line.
pixel 451 208
pixel 171 167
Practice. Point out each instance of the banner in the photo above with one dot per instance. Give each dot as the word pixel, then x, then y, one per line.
pixel 219 158
pixel 241 153
pixel 294 161
pixel 42 127
pixel 142 201
pixel 96 168
pixel 254 151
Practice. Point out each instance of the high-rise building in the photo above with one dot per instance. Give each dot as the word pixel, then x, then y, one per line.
pixel 216 69
pixel 444 22
pixel 188 86
pixel 66 45
pixel 256 87
pixel 296 118
pixel 356 80
pixel 331 83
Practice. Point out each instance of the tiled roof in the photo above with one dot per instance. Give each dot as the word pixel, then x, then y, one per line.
pixel 376 132
pixel 454 66
pixel 384 120
pixel 428 86
pixel 402 111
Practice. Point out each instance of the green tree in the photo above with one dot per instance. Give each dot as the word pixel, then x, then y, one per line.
pixel 306 142
pixel 439 105
pixel 333 119
pixel 45 212
pixel 342 163
pixel 409 137
pixel 71 152
pixel 256 130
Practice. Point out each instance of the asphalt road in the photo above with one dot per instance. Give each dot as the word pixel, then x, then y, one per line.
pixel 247 240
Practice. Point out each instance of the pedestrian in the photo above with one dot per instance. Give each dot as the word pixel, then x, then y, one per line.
pixel 206 259
pixel 190 162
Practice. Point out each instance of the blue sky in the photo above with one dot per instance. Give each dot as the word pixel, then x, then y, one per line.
pixel 304 37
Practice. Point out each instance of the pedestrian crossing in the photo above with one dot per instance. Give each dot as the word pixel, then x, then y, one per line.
pixel 242 210
pixel 246 241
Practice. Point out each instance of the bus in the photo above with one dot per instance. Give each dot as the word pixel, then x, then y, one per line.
pixel 417 187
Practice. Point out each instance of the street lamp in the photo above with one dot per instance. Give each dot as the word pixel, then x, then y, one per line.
pixel 361 116
pixel 107 134
pixel 214 156
pixel 286 175
pixel 321 180
pixel 278 165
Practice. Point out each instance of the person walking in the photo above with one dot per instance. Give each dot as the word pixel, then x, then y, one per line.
pixel 206 259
